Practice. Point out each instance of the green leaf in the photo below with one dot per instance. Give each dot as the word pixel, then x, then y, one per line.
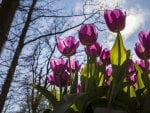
pixel 139 81
pixel 118 53
pixel 74 84
pixel 132 92
pixel 55 93
pixel 46 93
pixel 84 71
pixel 74 107
pixel 101 79
pixel 67 102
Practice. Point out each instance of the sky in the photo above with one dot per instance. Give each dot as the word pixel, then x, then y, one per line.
pixel 137 19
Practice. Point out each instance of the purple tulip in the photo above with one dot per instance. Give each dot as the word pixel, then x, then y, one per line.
pixel 105 55
pixel 115 19
pixel 68 46
pixel 58 65
pixel 108 71
pixel 107 82
pixel 131 68
pixel 131 74
pixel 59 80
pixel 108 74
pixel 93 50
pixel 51 79
pixel 141 52
pixel 87 34
pixel 78 88
pixel 75 66
pixel 133 80
pixel 144 37
pixel 141 63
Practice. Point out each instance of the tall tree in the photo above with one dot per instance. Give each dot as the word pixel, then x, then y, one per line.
pixel 11 71
pixel 7 12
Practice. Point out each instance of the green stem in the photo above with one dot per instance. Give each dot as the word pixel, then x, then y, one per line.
pixel 60 88
pixel 87 77
pixel 114 84
pixel 111 95
pixel 70 70
pixel 60 92
pixel 146 75
pixel 119 48
pixel 70 66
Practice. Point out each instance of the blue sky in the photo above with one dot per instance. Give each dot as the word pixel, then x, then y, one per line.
pixel 137 18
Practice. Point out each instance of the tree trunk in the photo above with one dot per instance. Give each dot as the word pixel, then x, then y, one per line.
pixel 7 11
pixel 11 71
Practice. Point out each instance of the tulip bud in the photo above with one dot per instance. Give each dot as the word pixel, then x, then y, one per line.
pixel 78 88
pixel 144 37
pixel 131 68
pixel 115 19
pixel 59 80
pixel 68 46
pixel 51 79
pixel 105 56
pixel 93 50
pixel 87 34
pixel 58 65
pixel 74 66
pixel 141 52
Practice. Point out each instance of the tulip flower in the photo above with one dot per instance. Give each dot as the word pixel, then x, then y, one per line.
pixel 59 80
pixel 58 65
pixel 141 63
pixel 144 37
pixel 141 52
pixel 115 19
pixel 105 55
pixel 108 73
pixel 75 66
pixel 87 34
pixel 68 46
pixel 51 79
pixel 131 74
pixel 131 68
pixel 78 88
pixel 93 50
pixel 133 80
pixel 107 82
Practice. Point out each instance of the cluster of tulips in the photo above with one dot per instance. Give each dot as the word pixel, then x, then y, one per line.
pixel 110 74
pixel 68 47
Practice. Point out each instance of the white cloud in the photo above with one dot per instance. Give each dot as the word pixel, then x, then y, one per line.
pixel 135 19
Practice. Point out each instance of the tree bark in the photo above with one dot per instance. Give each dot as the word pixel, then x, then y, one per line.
pixel 11 71
pixel 7 11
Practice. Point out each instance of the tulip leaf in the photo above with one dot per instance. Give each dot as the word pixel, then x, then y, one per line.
pixel 46 93
pixel 74 107
pixel 118 54
pixel 132 92
pixel 101 79
pixel 129 89
pixel 67 102
pixel 55 93
pixel 74 84
pixel 84 70
pixel 139 83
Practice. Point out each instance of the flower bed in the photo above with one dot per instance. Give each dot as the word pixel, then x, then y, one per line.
pixel 110 81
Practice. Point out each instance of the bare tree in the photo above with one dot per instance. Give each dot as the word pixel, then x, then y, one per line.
pixel 7 11
pixel 11 71
pixel 27 33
